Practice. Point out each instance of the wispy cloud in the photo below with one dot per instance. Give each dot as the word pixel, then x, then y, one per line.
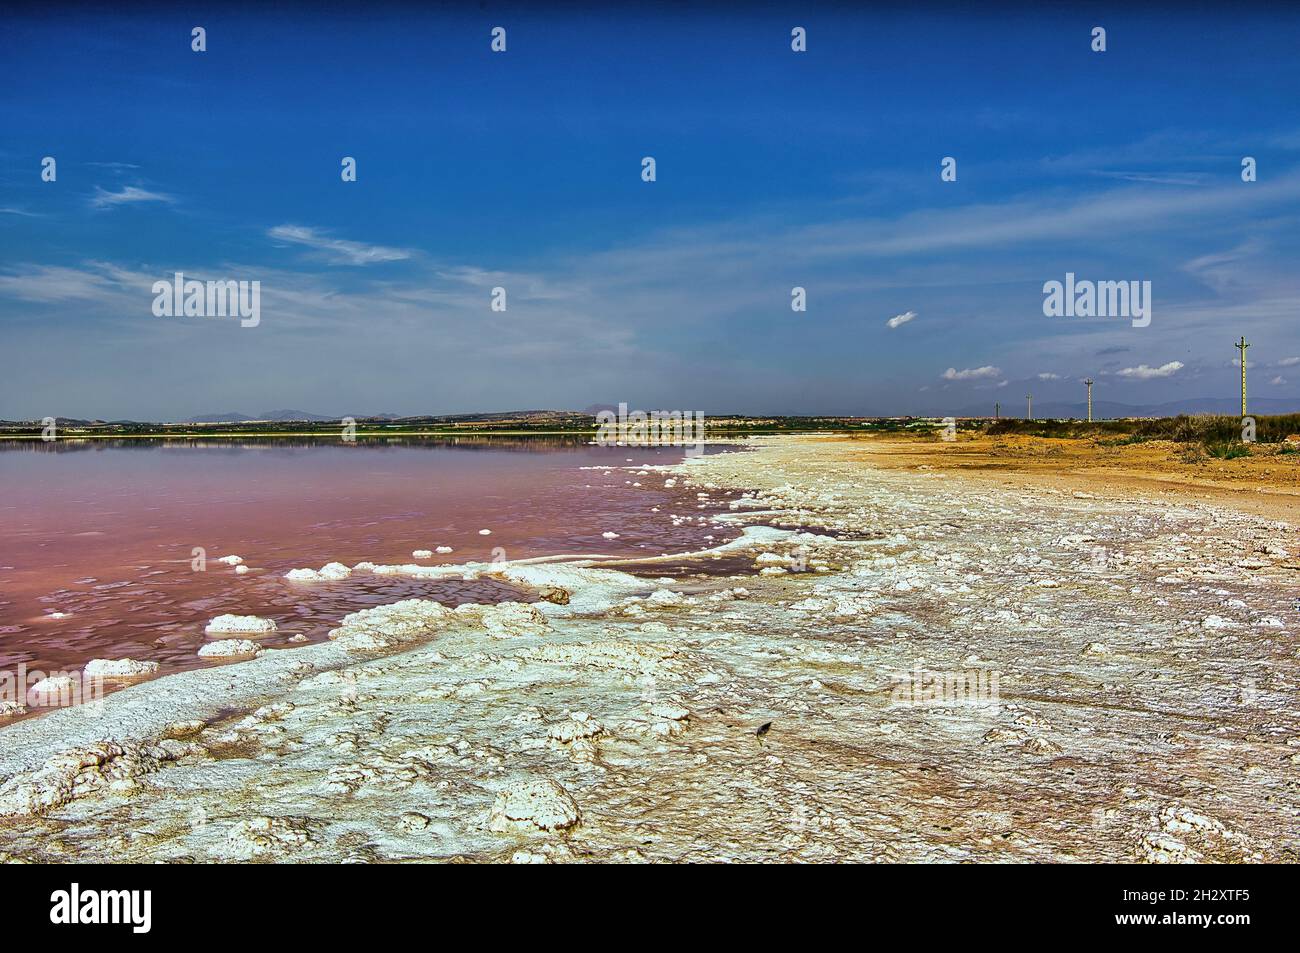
pixel 339 250
pixel 1156 178
pixel 128 195
pixel 47 284
pixel 900 319
pixel 986 372
pixel 1049 376
pixel 1144 373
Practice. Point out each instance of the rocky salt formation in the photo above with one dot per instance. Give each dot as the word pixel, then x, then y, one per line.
pixel 240 623
pixel 226 648
pixel 619 721
pixel 538 804
pixel 328 573
pixel 119 668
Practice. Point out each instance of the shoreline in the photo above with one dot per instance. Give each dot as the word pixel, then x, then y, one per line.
pixel 1144 709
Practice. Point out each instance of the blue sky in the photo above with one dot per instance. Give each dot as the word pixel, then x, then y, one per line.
pixel 522 170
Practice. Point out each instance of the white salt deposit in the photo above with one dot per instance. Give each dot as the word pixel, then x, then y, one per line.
pixel 120 668
pixel 240 623
pixel 226 648
pixel 328 572
pixel 54 685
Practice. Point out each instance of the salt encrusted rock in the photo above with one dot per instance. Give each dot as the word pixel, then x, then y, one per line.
pixel 8 708
pixel 260 836
pixel 54 685
pixel 509 620
pixel 609 535
pixel 555 594
pixel 118 668
pixel 532 805
pixel 413 821
pixel 225 648
pixel 665 598
pixel 615 654
pixel 579 724
pixel 382 626
pixel 1217 622
pixel 1042 746
pixel 328 572
pixel 240 623
pixel 1096 648
pixel 76 772
pixel 241 570
pixel 443 549
pixel 231 560
pixel 421 553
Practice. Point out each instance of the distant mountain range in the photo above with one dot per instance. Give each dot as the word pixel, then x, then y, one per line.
pixel 281 416
pixel 278 415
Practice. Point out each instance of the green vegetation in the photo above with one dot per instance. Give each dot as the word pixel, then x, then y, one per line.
pixel 1227 451
pixel 1204 431
pixel 1207 430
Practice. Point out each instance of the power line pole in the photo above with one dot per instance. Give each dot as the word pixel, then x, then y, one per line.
pixel 997 411
pixel 1088 381
pixel 1241 346
pixel 1030 398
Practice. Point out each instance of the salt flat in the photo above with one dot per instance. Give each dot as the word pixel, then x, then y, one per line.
pixel 1142 649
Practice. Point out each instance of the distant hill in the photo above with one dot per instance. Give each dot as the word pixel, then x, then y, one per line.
pixel 280 416
pixel 237 418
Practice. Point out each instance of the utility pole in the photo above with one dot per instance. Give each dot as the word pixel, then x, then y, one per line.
pixel 1030 398
pixel 1241 346
pixel 997 411
pixel 1088 381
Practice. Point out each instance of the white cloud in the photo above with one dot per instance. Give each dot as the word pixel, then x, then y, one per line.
pixel 1288 362
pixel 46 284
pixel 972 373
pixel 900 319
pixel 337 249
pixel 129 194
pixel 1278 380
pixel 1144 373
pixel 1049 376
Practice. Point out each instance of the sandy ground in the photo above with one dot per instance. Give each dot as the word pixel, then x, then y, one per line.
pixel 983 651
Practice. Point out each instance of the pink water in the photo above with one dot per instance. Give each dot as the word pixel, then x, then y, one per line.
pixel 105 533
